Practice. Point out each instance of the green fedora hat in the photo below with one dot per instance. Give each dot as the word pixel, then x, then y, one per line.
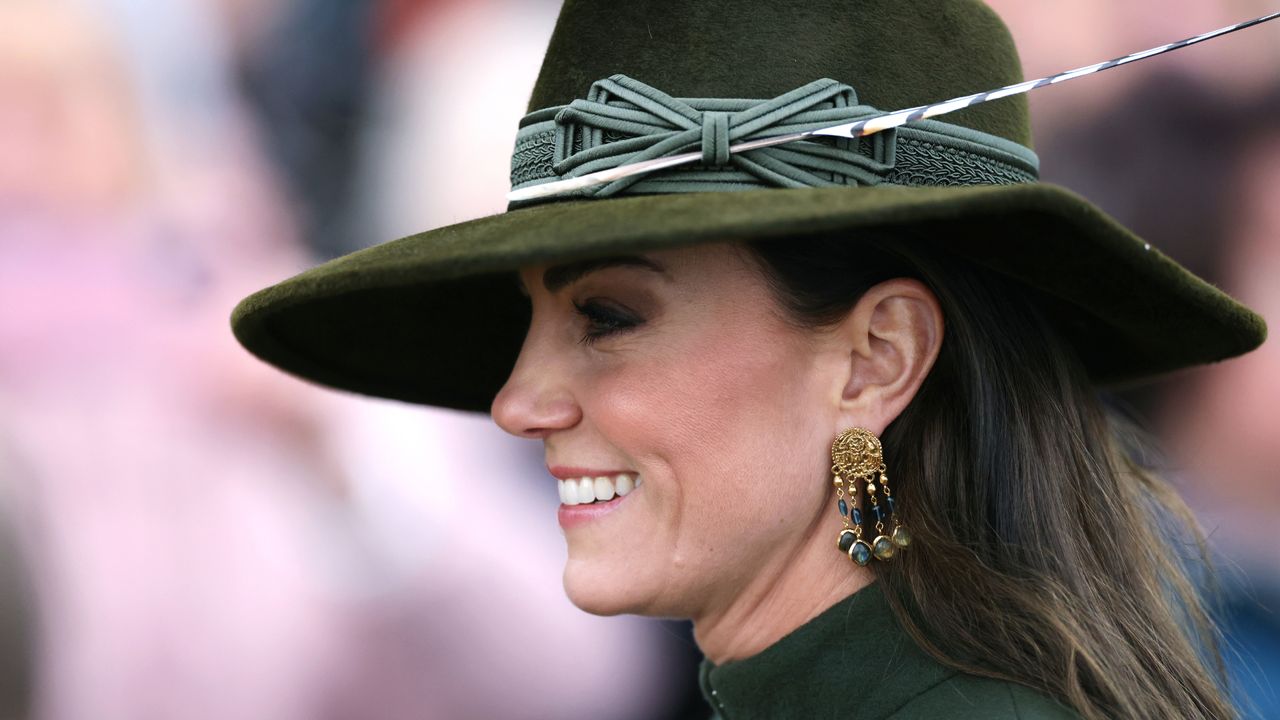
pixel 437 318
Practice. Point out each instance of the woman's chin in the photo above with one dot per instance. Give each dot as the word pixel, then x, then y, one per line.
pixel 599 590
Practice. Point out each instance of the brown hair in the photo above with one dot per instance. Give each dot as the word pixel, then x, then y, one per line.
pixel 1044 552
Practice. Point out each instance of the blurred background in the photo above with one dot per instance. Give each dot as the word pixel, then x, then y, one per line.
pixel 186 533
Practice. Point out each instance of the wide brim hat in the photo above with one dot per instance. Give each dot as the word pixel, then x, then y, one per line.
pixel 437 317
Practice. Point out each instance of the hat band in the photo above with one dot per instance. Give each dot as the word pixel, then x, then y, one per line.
pixel 623 121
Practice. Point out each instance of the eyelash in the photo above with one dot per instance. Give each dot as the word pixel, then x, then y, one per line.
pixel 601 322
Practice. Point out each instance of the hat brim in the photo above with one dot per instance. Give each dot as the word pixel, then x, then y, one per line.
pixel 436 318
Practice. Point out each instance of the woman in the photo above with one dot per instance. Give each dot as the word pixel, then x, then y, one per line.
pixel 835 401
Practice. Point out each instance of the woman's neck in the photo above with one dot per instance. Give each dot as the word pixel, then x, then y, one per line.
pixel 780 599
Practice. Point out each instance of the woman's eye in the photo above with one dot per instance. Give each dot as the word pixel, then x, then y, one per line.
pixel 603 320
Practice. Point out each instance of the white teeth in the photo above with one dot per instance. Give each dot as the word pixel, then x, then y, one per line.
pixel 580 491
pixel 604 488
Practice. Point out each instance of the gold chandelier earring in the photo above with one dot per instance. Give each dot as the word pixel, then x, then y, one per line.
pixel 856 455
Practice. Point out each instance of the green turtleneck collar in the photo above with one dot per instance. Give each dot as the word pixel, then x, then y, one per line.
pixel 854 661
pixel 853 655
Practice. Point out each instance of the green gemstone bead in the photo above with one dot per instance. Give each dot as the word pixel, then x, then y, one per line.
pixel 901 537
pixel 884 547
pixel 860 553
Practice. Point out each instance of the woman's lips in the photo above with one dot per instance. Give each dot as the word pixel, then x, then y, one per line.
pixel 571 516
pixel 564 472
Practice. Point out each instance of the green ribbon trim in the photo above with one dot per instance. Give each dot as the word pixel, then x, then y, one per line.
pixel 624 121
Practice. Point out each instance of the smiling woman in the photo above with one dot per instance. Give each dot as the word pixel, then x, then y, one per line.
pixel 841 403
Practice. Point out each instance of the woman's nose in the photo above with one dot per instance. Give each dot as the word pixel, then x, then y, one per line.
pixel 536 399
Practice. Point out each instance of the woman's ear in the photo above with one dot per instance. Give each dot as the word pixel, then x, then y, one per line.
pixel 892 337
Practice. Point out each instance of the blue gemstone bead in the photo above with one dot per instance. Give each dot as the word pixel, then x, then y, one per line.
pixel 879 513
pixel 857 516
pixel 844 507
pixel 884 547
pixel 846 541
pixel 890 501
pixel 860 553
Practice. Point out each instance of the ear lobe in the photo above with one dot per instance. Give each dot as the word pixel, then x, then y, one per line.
pixel 893 336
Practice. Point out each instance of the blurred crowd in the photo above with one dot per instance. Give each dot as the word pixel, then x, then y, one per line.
pixel 187 533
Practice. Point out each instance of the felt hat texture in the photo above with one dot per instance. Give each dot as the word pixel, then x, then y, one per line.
pixel 437 318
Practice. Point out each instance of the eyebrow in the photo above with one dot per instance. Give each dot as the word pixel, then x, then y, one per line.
pixel 558 277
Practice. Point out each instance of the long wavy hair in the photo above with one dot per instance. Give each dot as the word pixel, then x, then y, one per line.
pixel 1045 550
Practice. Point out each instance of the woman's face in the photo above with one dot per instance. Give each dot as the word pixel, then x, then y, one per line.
pixel 685 374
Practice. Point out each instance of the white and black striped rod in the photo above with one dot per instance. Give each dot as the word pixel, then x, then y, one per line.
pixel 870 125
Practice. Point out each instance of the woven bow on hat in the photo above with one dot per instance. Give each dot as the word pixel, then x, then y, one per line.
pixel 659 125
